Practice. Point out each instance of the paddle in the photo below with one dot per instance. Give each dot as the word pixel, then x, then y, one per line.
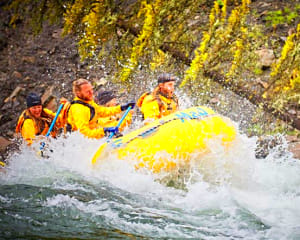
pixel 50 128
pixel 100 149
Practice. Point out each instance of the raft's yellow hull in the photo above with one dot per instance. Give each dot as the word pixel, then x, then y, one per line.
pixel 171 141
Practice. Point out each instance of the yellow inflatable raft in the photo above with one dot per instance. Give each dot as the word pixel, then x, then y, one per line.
pixel 170 142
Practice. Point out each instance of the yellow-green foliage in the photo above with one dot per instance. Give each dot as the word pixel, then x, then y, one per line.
pixel 132 31
pixel 93 22
pixel 164 22
pixel 178 25
pixel 142 40
pixel 98 25
pixel 157 60
pixel 285 88
pixel 287 48
pixel 74 14
pixel 36 11
pixel 198 61
pixel 292 89
pixel 147 33
pixel 224 11
pixel 285 16
pixel 222 38
pixel 239 48
pixel 201 53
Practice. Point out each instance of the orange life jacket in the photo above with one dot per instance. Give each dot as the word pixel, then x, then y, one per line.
pixel 46 119
pixel 141 99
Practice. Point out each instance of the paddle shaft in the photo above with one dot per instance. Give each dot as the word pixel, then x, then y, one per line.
pixel 52 125
pixel 120 122
pixel 100 149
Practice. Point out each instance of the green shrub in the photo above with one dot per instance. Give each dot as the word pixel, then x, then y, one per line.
pixel 284 16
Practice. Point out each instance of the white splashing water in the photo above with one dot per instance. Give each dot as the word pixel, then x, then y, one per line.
pixel 241 197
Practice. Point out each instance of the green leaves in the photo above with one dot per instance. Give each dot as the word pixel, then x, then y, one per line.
pixel 284 16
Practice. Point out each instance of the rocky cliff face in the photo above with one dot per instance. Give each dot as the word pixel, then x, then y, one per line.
pixel 46 64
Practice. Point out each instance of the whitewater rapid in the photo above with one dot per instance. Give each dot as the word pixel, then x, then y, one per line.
pixel 65 196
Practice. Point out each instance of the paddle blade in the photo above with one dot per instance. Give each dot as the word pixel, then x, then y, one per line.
pixel 98 153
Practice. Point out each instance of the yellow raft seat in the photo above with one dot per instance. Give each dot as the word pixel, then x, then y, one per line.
pixel 170 142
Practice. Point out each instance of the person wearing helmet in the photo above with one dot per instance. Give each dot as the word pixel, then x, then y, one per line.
pixel 161 102
pixel 36 120
pixel 109 99
pixel 83 112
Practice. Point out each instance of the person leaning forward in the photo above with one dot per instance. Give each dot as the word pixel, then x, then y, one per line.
pixel 161 102
pixel 83 112
pixel 36 120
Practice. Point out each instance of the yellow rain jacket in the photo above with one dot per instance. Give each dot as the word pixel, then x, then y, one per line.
pixel 30 128
pixel 113 121
pixel 155 106
pixel 83 116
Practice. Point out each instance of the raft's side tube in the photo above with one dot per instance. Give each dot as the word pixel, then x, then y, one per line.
pixel 176 136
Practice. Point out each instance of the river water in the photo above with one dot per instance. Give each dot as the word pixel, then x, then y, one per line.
pixel 64 197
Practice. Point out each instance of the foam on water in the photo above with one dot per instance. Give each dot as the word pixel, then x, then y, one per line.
pixel 241 197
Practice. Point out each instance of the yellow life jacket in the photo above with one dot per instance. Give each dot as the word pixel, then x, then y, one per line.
pixel 29 127
pixel 166 105
pixel 39 130
pixel 83 115
pixel 140 101
pixel 66 111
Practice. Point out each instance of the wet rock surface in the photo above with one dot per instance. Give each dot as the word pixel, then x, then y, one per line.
pixel 46 64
